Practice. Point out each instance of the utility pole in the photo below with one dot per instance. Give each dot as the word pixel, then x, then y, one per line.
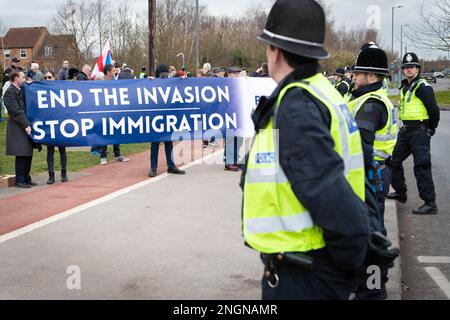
pixel 151 35
pixel 197 37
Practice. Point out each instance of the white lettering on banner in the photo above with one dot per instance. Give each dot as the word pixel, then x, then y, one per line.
pixel 75 126
pixel 50 99
pixel 68 128
pixel 173 95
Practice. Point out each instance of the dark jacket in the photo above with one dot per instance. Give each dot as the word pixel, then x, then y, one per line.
pixel 63 74
pixel 18 143
pixel 370 118
pixel 316 172
pixel 81 76
pixel 426 95
pixel 343 88
pixel 8 71
pixel 125 74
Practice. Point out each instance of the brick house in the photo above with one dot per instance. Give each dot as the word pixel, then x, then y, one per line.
pixel 36 43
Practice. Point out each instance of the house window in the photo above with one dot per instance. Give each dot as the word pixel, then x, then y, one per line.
pixel 23 53
pixel 7 54
pixel 48 51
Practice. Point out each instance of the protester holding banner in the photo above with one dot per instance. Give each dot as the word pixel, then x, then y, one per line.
pixel 84 74
pixel 162 71
pixel 18 142
pixel 109 73
pixel 49 76
pixel 232 147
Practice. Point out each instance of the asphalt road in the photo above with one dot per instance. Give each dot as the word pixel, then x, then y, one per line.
pixel 428 235
pixel 441 85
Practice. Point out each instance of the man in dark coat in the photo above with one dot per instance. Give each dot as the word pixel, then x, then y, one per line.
pixel 126 74
pixel 18 142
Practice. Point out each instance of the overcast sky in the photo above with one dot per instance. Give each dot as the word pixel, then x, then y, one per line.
pixel 351 13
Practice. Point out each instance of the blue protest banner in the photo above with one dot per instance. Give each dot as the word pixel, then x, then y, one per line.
pixel 91 113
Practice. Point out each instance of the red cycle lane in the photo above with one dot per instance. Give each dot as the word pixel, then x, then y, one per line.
pixel 20 210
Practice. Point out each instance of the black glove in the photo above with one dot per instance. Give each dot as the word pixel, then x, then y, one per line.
pixel 379 253
pixel 431 132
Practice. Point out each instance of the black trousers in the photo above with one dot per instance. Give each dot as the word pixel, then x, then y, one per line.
pixel 104 149
pixel 51 158
pixel 296 283
pixel 23 169
pixel 416 142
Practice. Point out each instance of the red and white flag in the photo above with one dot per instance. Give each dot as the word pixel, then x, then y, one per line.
pixel 104 59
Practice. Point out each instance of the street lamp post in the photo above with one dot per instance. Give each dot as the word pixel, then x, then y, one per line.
pixel 401 39
pixel 392 42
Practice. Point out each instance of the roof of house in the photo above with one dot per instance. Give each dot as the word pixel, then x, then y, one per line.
pixel 22 37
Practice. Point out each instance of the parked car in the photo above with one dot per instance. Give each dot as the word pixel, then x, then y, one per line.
pixel 430 77
pixel 439 75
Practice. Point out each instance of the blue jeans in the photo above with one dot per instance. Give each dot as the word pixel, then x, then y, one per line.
pixel 168 146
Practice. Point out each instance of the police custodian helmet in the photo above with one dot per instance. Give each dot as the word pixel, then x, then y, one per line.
pixel 372 59
pixel 339 72
pixel 410 59
pixel 297 27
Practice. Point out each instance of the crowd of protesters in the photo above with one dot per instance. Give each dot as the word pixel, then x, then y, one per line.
pixel 20 145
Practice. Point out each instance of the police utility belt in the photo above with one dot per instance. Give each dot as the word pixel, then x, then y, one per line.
pixel 410 125
pixel 273 261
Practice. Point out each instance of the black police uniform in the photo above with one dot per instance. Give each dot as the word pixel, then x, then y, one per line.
pixel 372 117
pixel 304 124
pixel 414 138
pixel 343 86
pixel 313 168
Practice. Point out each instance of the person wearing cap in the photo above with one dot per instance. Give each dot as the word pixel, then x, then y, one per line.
pixel 218 73
pixel 232 146
pixel 374 115
pixel 420 116
pixel 304 176
pixel 162 72
pixel 14 67
pixel 341 86
pixel 126 73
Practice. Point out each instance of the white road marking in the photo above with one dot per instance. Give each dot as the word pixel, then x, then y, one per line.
pixel 430 259
pixel 440 280
pixel 118 193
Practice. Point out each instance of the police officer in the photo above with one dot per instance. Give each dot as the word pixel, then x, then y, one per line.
pixel 143 74
pixel 374 114
pixel 304 178
pixel 419 113
pixel 341 84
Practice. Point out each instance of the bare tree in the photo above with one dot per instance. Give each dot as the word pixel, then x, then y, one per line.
pixel 77 19
pixel 102 14
pixel 433 29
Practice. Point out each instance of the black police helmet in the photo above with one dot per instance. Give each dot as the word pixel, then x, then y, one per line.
pixel 372 60
pixel 368 45
pixel 410 59
pixel 297 27
pixel 340 72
